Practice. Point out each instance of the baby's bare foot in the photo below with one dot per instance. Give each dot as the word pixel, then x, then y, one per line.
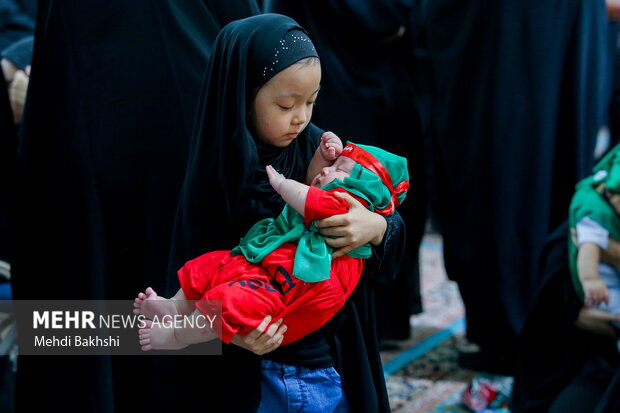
pixel 151 305
pixel 155 336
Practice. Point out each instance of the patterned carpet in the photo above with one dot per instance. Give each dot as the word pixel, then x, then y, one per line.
pixel 422 373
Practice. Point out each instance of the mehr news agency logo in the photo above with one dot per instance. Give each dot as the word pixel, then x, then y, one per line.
pixel 94 327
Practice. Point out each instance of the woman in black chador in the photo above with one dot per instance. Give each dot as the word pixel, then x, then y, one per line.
pixel 110 110
pixel 226 190
pixel 516 99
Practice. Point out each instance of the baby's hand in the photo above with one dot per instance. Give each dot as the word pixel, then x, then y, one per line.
pixel 275 178
pixel 596 293
pixel 331 146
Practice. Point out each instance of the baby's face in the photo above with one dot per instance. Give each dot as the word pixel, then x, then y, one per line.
pixel 341 169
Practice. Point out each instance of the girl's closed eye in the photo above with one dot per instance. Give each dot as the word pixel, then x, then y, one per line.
pixel 283 107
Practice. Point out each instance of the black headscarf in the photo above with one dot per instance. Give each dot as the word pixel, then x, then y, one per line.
pixel 226 188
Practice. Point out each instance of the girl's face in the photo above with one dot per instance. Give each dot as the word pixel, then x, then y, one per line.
pixel 283 106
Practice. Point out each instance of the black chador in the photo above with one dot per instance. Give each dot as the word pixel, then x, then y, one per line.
pixel 516 102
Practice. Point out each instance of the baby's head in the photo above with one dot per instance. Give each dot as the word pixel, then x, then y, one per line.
pixel 369 172
pixel 340 169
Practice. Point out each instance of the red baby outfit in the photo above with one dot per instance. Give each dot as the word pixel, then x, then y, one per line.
pixel 250 291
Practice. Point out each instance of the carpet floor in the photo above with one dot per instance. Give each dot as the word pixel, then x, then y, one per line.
pixel 422 373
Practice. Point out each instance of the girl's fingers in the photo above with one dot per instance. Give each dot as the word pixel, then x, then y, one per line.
pixel 260 329
pixel 277 338
pixel 338 242
pixel 342 251
pixel 271 331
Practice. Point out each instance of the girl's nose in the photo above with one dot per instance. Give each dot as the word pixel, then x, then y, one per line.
pixel 300 117
pixel 325 171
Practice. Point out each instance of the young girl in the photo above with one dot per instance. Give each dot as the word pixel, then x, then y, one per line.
pixel 257 101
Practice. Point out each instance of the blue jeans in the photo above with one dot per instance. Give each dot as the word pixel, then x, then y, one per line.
pixel 291 389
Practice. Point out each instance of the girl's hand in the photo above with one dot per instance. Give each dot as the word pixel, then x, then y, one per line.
pixel 596 292
pixel 330 147
pixel 354 229
pixel 262 340
pixel 275 178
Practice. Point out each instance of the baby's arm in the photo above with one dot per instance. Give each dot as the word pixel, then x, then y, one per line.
pixel 294 193
pixel 328 151
pixel 588 259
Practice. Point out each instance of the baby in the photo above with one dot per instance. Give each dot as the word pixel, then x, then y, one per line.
pixel 594 218
pixel 283 267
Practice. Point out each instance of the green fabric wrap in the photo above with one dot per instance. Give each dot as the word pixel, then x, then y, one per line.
pixel 612 181
pixel 395 165
pixel 608 170
pixel 364 184
pixel 588 202
pixel 606 162
pixel 313 256
pixel 269 233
